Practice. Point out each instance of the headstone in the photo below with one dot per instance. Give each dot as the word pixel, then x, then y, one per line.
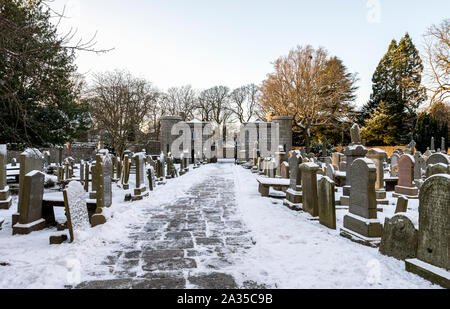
pixel 438 158
pixel 443 148
pixel 336 158
pixel 140 190
pixel 406 177
pixel 294 193
pixel 280 157
pixel 285 170
pixel 329 171
pixel 394 162
pixel 76 209
pixel 126 172
pixel 433 251
pixel 5 198
pixel 419 165
pixel 378 157
pixel 118 169
pixel 432 145
pixel 361 223
pixel 402 204
pixel 151 178
pixel 104 183
pixel 352 153
pixel 355 134
pixel 30 204
pixel 326 202
pixel 399 239
pixel 82 169
pixel 87 170
pixel 309 187
pixel 439 168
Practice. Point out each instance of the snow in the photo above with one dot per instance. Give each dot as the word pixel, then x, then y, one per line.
pixel 33 263
pixel 76 197
pixel 292 251
pixel 33 153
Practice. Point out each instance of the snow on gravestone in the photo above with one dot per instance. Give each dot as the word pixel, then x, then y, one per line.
pixel 438 158
pixel 309 182
pixel 76 209
pixel 151 177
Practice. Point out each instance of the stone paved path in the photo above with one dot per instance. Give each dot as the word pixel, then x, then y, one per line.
pixel 187 244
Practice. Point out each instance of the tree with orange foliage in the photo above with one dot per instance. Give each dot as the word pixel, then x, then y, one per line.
pixel 313 88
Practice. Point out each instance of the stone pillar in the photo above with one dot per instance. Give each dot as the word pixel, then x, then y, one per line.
pixel 378 157
pixel 280 157
pixel 126 172
pixel 166 137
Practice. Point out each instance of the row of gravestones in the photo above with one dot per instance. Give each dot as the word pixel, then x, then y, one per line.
pixel 30 217
pixel 361 223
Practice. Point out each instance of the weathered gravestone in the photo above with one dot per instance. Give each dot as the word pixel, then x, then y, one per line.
pixel 76 209
pixel 361 223
pixel 151 178
pixel 352 153
pixel 5 198
pixel 439 168
pixel 294 193
pixel 309 187
pixel 86 176
pixel 103 188
pixel 285 170
pixel 140 191
pixel 30 160
pixel 406 177
pixel 438 157
pixel 402 204
pixel 399 239
pixel 326 203
pixel 433 251
pixel 378 157
pixel 419 165
pixel 329 171
pixel 336 158
pixel 126 172
pixel 394 165
pixel 30 204
pixel 280 157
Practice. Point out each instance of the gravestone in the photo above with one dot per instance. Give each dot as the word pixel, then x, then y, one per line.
pixel 5 198
pixel 419 165
pixel 76 209
pixel 432 145
pixel 434 169
pixel 326 202
pixel 82 169
pixel 443 148
pixel 352 153
pixel 294 193
pixel 402 204
pixel 309 187
pixel 140 191
pixel 355 135
pixel 103 175
pixel 378 157
pixel 30 206
pixel 361 223
pixel 329 171
pixel 433 251
pixel 336 158
pixel 93 194
pixel 285 170
pixel 86 177
pixel 394 162
pixel 438 157
pixel 406 177
pixel 30 160
pixel 280 157
pixel 151 178
pixel 126 172
pixel 399 239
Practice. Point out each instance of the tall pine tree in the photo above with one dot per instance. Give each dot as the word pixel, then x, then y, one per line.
pixel 397 83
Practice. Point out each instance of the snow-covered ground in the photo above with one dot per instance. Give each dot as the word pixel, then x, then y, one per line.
pixel 294 252
pixel 28 261
pixel 290 251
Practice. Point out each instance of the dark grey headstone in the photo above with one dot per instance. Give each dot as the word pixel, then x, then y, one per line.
pixel 399 238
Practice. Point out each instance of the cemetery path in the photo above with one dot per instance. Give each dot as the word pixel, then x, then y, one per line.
pixel 194 242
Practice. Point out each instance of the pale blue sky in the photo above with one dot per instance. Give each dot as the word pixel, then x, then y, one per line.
pixel 232 43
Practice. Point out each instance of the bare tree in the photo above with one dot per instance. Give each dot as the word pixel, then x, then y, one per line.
pixel 180 99
pixel 244 101
pixel 119 104
pixel 437 46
